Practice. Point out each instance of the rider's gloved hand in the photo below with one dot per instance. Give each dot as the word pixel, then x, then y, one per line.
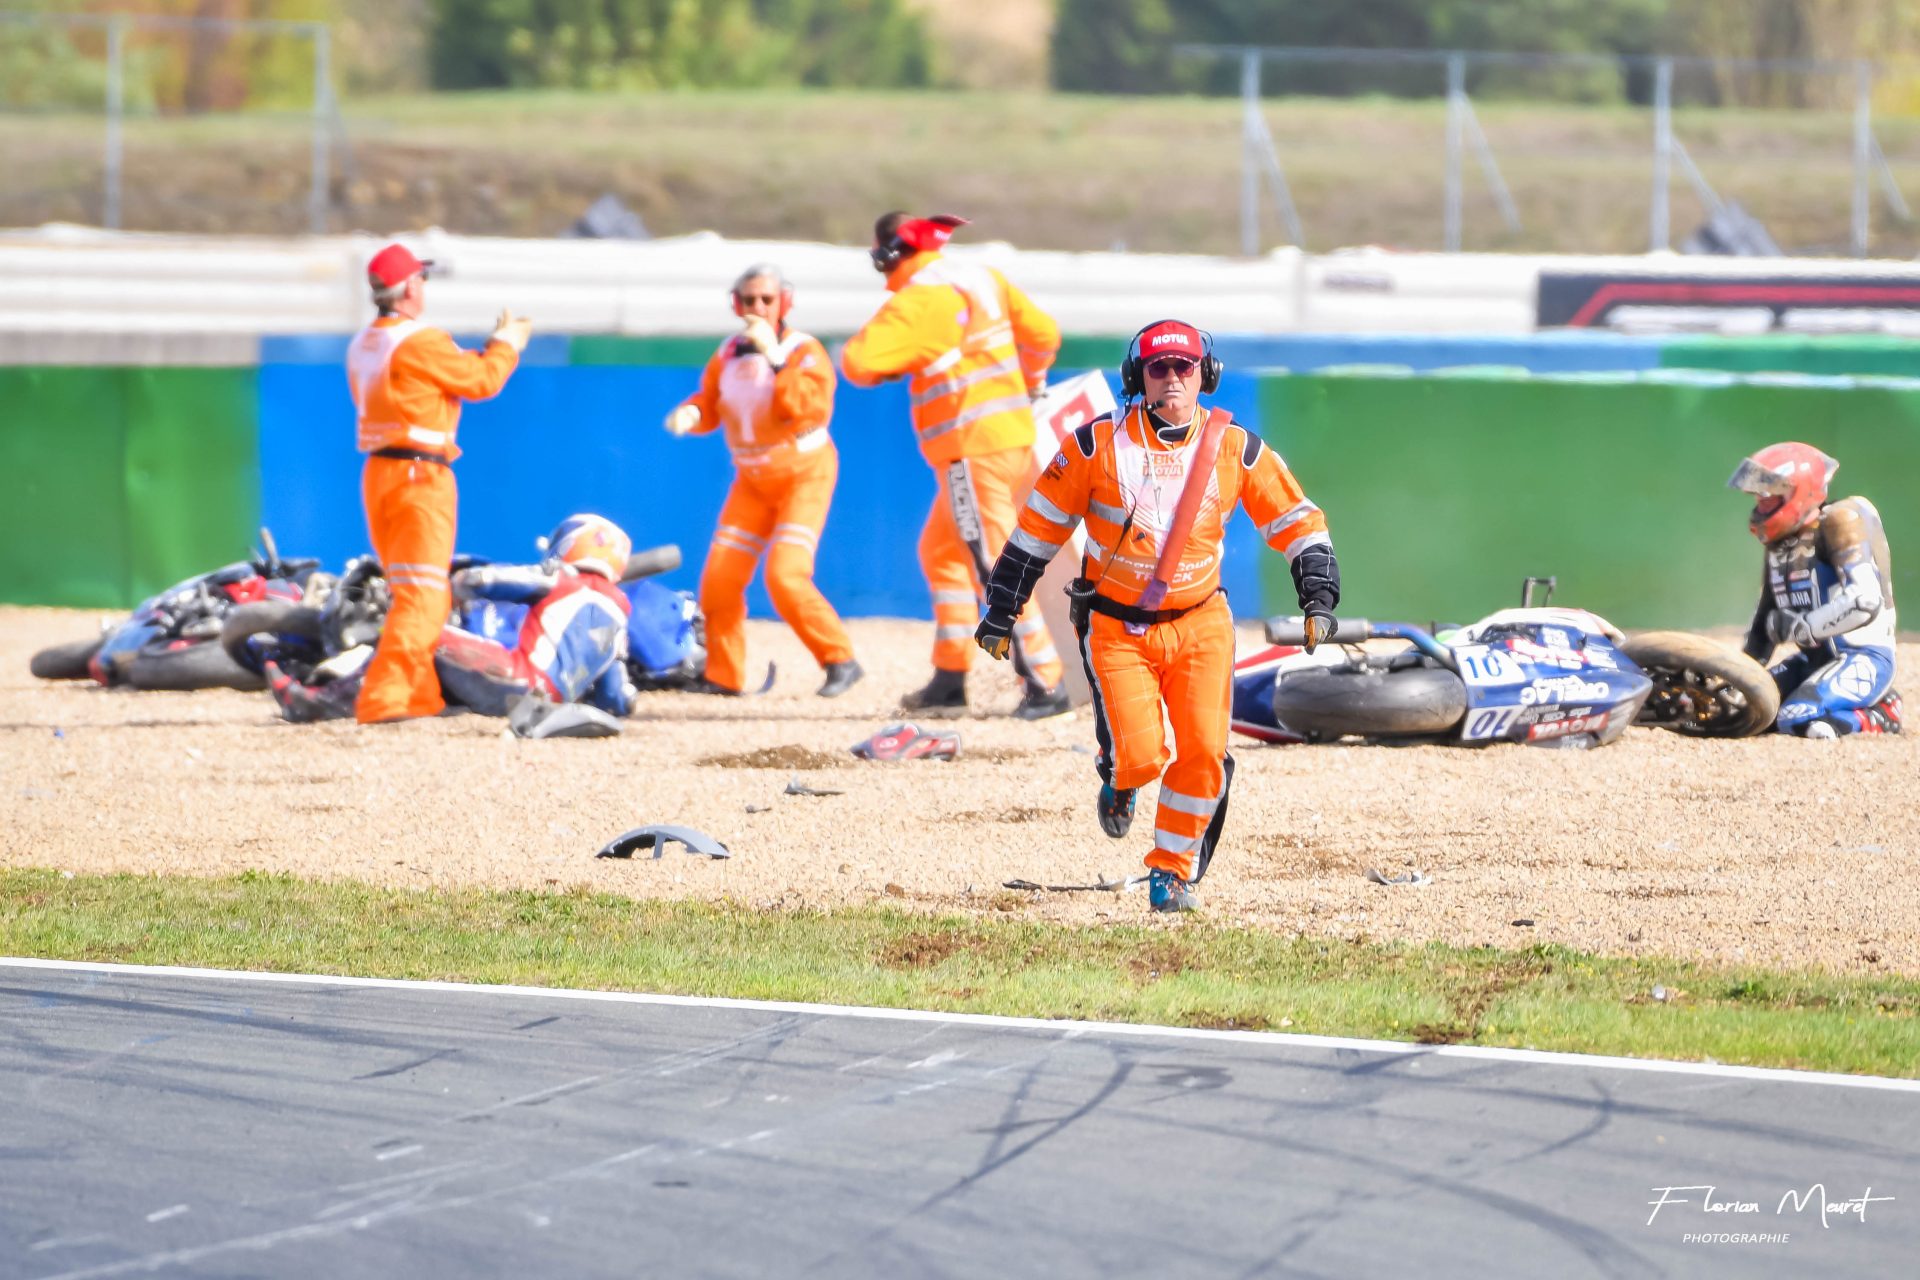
pixel 995 635
pixel 1784 626
pixel 1321 627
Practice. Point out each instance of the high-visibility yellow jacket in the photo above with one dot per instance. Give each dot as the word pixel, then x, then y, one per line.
pixel 408 380
pixel 973 346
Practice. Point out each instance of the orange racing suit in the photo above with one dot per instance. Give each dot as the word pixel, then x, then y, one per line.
pixel 774 414
pixel 975 350
pixel 408 380
pixel 1125 479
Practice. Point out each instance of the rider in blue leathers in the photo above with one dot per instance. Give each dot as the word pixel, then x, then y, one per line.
pixel 1827 590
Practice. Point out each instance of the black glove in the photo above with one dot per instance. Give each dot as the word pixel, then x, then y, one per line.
pixel 1321 627
pixel 995 635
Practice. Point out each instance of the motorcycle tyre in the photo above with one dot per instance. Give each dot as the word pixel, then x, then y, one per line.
pixel 196 666
pixel 269 617
pixel 1324 703
pixel 64 661
pixel 1655 651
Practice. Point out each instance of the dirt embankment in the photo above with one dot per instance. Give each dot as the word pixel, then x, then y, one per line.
pixel 1769 850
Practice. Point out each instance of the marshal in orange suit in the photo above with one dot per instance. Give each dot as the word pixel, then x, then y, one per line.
pixel 408 380
pixel 770 390
pixel 975 351
pixel 1155 484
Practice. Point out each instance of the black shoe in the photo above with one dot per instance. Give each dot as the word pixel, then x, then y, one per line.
pixel 1040 704
pixel 704 685
pixel 945 694
pixel 841 676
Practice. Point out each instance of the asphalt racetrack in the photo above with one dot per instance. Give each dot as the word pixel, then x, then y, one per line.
pixel 188 1123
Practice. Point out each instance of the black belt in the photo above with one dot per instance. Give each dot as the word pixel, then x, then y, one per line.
pixel 410 455
pixel 1086 598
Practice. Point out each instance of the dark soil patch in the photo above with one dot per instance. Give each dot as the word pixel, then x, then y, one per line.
pixel 924 950
pixel 787 757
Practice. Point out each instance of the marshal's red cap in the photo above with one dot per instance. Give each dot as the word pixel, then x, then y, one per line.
pixel 929 233
pixel 392 265
pixel 1172 338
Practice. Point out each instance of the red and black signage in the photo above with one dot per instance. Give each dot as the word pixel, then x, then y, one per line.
pixel 1586 301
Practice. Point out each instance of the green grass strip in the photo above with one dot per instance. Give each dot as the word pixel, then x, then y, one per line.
pixel 1188 973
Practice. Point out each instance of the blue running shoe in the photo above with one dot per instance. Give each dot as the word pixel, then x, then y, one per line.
pixel 1168 892
pixel 1116 809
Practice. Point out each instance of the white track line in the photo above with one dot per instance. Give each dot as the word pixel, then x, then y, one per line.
pixel 1062 1026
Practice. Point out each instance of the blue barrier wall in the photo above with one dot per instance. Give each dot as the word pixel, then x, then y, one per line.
pixel 563 438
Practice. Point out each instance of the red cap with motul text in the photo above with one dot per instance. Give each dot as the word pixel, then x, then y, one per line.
pixel 1172 338
pixel 392 265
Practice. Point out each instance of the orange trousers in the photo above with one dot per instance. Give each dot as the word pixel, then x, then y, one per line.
pixel 411 511
pixel 1185 666
pixel 780 516
pixel 977 507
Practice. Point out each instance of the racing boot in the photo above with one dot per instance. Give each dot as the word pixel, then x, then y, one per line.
pixel 1168 892
pixel 841 676
pixel 944 695
pixel 1039 704
pixel 1116 809
pixel 305 703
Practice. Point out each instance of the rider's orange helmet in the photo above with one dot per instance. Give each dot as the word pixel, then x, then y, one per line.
pixel 1789 482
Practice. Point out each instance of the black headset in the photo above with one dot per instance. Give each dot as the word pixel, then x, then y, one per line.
pixel 1133 381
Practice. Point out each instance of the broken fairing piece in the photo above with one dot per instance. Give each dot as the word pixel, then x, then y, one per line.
pixel 1101 886
pixel 909 741
pixel 641 839
pixel 795 787
pixel 1412 877
pixel 535 717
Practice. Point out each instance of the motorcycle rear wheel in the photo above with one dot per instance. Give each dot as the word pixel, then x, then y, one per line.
pixel 1323 703
pixel 195 666
pixel 64 661
pixel 269 617
pixel 1702 688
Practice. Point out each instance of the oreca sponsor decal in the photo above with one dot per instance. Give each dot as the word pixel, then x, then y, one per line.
pixel 1592 723
pixel 1555 690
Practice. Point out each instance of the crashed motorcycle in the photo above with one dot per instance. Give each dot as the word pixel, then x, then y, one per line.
pixel 171 640
pixel 1541 675
pixel 666 632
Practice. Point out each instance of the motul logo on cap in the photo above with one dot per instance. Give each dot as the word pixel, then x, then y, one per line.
pixel 1162 339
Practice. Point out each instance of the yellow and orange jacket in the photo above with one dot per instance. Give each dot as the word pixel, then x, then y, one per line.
pixel 1123 476
pixel 408 379
pixel 973 346
pixel 772 417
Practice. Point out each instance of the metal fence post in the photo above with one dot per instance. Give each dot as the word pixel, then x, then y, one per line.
pixel 1862 153
pixel 1249 161
pixel 1660 237
pixel 1456 131
pixel 116 103
pixel 318 198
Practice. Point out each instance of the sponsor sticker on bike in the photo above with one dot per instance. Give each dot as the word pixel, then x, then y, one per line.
pixel 1591 723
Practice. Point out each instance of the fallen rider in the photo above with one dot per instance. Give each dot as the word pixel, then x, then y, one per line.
pixel 570 641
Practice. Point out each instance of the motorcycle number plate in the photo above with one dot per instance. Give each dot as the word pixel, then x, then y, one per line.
pixel 1481 666
pixel 1491 676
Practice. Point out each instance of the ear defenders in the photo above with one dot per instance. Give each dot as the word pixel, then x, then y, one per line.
pixel 1133 374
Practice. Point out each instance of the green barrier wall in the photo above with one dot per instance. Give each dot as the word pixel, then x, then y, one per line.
pixel 1443 493
pixel 117 482
pixel 1839 355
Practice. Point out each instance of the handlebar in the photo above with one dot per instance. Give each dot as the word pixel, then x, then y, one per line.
pixel 1293 630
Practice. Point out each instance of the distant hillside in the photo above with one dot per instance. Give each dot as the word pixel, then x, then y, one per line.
pixel 1040 170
